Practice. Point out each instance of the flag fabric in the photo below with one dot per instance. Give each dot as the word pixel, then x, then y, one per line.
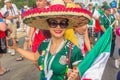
pixel 93 65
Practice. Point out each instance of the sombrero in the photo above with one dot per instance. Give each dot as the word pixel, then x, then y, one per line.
pixel 37 17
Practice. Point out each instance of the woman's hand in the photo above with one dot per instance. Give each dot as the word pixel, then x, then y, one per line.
pixel 74 74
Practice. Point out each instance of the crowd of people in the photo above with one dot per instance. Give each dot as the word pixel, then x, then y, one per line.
pixel 59 35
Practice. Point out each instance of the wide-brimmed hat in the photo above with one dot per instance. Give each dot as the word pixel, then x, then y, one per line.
pixel 38 17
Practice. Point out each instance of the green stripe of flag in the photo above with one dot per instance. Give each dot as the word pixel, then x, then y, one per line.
pixel 102 45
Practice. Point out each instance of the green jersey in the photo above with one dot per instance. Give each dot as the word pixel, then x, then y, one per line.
pixel 106 21
pixel 59 63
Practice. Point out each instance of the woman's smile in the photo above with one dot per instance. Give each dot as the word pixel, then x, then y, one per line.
pixel 58 31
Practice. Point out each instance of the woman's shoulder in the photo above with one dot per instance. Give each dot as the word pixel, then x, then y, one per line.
pixel 43 45
pixel 45 42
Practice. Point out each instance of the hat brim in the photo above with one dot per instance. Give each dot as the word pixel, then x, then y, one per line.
pixel 39 20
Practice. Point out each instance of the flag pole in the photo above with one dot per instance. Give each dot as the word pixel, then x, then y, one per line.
pixel 113 23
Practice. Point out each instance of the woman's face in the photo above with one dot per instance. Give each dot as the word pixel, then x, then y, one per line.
pixel 41 3
pixel 57 27
pixel 81 30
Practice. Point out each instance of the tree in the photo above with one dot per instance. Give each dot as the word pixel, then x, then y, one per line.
pixel 1 3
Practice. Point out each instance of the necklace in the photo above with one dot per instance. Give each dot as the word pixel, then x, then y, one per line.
pixel 109 19
pixel 47 67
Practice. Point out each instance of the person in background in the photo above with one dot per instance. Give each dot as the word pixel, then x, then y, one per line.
pixel 90 7
pixel 105 21
pixel 79 34
pixel 25 8
pixel 91 25
pixel 25 28
pixel 117 61
pixel 10 14
pixel 96 16
pixel 36 36
pixel 69 3
pixel 3 46
pixel 117 17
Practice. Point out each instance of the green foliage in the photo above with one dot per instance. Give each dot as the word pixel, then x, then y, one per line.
pixel 20 3
pixel 1 3
pixel 119 4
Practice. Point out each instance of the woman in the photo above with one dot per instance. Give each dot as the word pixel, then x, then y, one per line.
pixel 56 56
pixel 79 34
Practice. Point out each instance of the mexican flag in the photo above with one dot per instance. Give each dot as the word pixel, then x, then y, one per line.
pixel 93 65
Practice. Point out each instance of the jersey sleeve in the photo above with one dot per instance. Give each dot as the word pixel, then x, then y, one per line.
pixel 43 46
pixel 101 21
pixel 76 56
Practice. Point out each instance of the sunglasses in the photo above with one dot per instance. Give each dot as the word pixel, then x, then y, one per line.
pixel 54 23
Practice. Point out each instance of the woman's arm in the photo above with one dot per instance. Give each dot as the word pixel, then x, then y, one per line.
pixel 27 54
